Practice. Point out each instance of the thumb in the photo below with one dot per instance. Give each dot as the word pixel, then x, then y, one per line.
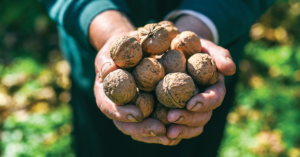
pixel 221 56
pixel 104 63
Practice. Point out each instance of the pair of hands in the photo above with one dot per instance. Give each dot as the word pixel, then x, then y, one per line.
pixel 189 122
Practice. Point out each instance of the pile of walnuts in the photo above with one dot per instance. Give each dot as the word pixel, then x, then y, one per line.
pixel 157 85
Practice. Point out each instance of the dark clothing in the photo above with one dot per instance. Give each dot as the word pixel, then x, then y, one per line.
pixel 96 135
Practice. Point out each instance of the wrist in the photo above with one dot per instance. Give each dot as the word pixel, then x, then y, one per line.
pixel 108 25
pixel 191 23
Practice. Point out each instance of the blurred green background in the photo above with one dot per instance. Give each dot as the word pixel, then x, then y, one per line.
pixel 35 117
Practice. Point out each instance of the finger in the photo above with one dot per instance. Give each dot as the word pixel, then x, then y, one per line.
pixel 148 127
pixel 210 99
pixel 164 140
pixel 182 116
pixel 177 131
pixel 124 113
pixel 221 56
pixel 175 142
pixel 103 62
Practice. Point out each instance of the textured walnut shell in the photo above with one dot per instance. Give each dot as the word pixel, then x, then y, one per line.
pixel 173 61
pixel 187 42
pixel 148 73
pixel 202 68
pixel 144 101
pixel 119 86
pixel 136 34
pixel 154 39
pixel 170 28
pixel 161 113
pixel 126 52
pixel 175 90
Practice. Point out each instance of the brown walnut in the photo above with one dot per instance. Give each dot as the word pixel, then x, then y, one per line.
pixel 136 34
pixel 161 113
pixel 187 42
pixel 202 68
pixel 175 90
pixel 148 73
pixel 171 29
pixel 119 86
pixel 173 61
pixel 126 52
pixel 154 39
pixel 144 101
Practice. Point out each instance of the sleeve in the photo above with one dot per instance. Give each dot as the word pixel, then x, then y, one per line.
pixel 231 17
pixel 75 16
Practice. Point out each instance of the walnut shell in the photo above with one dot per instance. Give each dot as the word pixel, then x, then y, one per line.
pixel 148 73
pixel 202 68
pixel 144 101
pixel 161 113
pixel 171 29
pixel 173 61
pixel 126 52
pixel 154 39
pixel 175 90
pixel 119 86
pixel 187 42
pixel 136 34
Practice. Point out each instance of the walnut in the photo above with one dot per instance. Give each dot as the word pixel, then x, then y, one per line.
pixel 148 73
pixel 173 61
pixel 175 90
pixel 187 42
pixel 154 39
pixel 161 113
pixel 136 34
pixel 144 101
pixel 202 68
pixel 119 86
pixel 126 52
pixel 171 29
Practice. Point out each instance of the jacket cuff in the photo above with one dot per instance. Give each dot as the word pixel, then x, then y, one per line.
pixel 211 26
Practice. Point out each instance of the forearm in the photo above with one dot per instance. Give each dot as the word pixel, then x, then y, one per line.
pixel 108 25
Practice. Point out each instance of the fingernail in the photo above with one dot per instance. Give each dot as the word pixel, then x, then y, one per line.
pixel 181 118
pixel 104 67
pixel 152 133
pixel 197 107
pixel 177 136
pixel 159 141
pixel 229 59
pixel 131 118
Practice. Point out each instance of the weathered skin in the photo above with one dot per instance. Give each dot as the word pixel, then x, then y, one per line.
pixel 202 68
pixel 175 90
pixel 187 42
pixel 154 39
pixel 144 101
pixel 171 29
pixel 148 73
pixel 161 113
pixel 126 52
pixel 173 61
pixel 119 86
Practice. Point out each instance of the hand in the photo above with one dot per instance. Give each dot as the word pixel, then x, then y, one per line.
pixel 104 29
pixel 189 122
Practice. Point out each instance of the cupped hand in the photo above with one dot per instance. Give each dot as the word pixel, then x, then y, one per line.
pixel 189 122
pixel 128 118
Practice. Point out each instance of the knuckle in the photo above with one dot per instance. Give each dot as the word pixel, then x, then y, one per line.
pixel 224 51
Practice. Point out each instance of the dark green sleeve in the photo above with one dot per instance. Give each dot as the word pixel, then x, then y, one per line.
pixel 231 17
pixel 75 16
